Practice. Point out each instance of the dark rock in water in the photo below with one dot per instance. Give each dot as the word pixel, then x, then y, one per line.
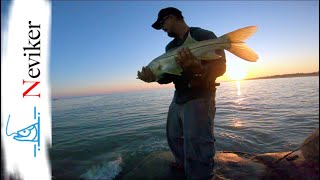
pixel 228 166
pixel 236 166
pixel 294 166
pixel 301 164
pixel 310 150
pixel 155 166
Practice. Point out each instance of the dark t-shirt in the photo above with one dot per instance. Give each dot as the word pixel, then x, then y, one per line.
pixel 185 92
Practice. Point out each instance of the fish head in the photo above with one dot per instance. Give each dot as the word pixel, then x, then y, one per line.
pixel 156 69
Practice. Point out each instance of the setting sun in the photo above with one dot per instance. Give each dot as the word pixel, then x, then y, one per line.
pixel 236 71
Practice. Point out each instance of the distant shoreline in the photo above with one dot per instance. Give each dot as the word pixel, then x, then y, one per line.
pixel 54 98
pixel 286 76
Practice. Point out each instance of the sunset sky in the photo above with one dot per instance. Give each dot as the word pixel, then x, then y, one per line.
pixel 98 46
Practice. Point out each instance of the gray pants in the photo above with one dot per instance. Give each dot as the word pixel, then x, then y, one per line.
pixel 190 136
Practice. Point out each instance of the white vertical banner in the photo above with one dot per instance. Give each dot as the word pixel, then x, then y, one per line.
pixel 25 90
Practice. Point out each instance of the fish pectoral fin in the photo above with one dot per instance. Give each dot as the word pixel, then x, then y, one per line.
pixel 209 55
pixel 176 71
pixel 189 40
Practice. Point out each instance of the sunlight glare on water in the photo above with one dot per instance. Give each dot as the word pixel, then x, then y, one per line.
pixel 238 88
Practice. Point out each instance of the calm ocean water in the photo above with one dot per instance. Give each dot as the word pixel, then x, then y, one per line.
pixel 100 137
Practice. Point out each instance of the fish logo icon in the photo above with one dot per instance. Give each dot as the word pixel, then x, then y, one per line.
pixel 30 133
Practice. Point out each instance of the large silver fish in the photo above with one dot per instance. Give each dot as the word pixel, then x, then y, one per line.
pixel 205 50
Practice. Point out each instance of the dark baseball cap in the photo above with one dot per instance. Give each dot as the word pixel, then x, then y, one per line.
pixel 163 13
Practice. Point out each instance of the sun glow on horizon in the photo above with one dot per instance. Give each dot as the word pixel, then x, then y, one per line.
pixel 236 71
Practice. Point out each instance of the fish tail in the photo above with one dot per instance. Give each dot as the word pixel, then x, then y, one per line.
pixel 237 45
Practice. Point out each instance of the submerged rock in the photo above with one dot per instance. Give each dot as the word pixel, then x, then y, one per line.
pixel 227 166
pixel 310 150
pixel 301 164
pixel 155 166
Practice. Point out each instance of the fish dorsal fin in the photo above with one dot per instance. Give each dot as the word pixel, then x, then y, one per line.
pixel 189 40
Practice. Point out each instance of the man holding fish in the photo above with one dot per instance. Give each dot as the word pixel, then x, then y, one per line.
pixel 191 113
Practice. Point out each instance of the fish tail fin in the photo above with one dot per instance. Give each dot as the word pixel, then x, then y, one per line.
pixel 237 45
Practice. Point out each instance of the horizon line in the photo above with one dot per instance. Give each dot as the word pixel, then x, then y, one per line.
pixel 315 73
